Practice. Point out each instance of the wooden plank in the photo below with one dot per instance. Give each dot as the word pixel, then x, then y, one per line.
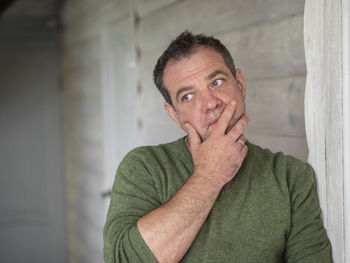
pixel 149 100
pixel 314 90
pixel 78 10
pixel 83 47
pixel 276 106
pixel 346 122
pixel 157 29
pixel 74 58
pixel 144 7
pixel 269 50
pixel 334 127
pixel 119 92
pixel 323 113
pixel 81 25
pixel 165 130
pixel 279 53
pixel 295 146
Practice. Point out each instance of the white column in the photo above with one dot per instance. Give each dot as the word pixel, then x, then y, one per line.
pixel 326 38
pixel 346 121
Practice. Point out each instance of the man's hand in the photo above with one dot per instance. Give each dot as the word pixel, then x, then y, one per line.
pixel 170 229
pixel 220 156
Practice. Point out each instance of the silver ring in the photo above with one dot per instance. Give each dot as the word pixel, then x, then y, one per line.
pixel 241 142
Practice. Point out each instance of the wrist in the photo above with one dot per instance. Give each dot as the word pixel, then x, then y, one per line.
pixel 208 180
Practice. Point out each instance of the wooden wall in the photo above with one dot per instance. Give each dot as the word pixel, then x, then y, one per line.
pixel 85 24
pixel 327 114
pixel 109 49
pixel 266 42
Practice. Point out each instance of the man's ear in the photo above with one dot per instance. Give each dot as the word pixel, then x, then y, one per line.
pixel 172 113
pixel 241 82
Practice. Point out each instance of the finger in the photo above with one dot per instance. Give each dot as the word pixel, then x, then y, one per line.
pixel 193 136
pixel 226 117
pixel 241 141
pixel 244 151
pixel 238 128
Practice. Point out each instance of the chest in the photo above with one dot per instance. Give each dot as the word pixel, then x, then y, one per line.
pixel 248 223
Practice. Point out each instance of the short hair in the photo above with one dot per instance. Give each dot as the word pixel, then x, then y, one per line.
pixel 183 47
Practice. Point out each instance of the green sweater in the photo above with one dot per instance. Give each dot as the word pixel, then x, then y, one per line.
pixel 270 213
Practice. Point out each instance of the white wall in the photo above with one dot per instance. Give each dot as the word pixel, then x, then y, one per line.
pixel 32 196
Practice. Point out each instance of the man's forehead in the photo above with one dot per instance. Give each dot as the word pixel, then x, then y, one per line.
pixel 200 60
pixel 192 54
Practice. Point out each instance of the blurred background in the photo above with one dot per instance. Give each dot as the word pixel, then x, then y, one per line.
pixel 76 94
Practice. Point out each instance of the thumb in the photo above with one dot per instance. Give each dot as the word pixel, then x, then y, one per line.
pixel 193 136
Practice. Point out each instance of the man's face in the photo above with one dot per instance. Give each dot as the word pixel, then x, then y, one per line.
pixel 200 87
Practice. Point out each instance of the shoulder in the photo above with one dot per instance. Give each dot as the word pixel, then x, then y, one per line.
pixel 293 171
pixel 279 158
pixel 151 167
pixel 153 156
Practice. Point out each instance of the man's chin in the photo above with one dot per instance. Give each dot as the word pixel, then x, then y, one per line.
pixel 204 136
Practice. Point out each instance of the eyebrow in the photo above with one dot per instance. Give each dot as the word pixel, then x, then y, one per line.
pixel 180 90
pixel 215 73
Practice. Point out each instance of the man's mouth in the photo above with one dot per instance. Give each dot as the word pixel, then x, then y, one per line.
pixel 215 120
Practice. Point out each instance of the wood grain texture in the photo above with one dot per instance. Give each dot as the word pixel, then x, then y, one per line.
pixel 83 122
pixel 268 50
pixel 323 112
pixel 119 103
pixel 276 106
pixel 203 16
pixel 295 146
pixel 144 7
pixel 165 130
pixel 346 121
pixel 75 60
pixel 150 101
pixel 87 20
pixel 75 11
pixel 262 52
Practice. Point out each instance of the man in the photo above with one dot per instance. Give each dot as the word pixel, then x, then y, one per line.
pixel 211 196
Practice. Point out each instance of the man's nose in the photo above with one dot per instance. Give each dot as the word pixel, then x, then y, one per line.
pixel 209 101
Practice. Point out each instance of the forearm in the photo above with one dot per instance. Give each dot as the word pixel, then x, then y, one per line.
pixel 170 229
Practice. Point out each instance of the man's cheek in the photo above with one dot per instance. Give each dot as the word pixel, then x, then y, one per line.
pixel 183 121
pixel 185 118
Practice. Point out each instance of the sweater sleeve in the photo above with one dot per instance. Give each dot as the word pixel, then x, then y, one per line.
pixel 307 240
pixel 133 195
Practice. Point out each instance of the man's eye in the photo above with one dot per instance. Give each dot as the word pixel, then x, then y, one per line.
pixel 187 97
pixel 217 82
